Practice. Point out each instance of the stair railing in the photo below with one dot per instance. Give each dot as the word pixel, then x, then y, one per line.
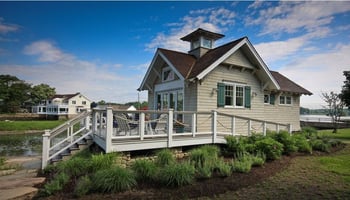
pixel 61 138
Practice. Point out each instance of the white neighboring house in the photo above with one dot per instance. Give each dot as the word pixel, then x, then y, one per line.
pixel 63 105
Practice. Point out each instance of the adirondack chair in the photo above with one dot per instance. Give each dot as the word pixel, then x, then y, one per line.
pixel 123 125
pixel 161 126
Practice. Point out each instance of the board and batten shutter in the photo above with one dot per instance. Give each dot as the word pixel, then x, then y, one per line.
pixel 247 97
pixel 272 99
pixel 221 95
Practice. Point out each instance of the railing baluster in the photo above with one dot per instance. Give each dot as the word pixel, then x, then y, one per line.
pixel 46 149
pixel 249 127
pixel 109 129
pixel 170 128
pixel 264 128
pixel 233 125
pixel 142 125
pixel 194 124
pixel 214 125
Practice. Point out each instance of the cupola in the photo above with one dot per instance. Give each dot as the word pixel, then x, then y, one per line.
pixel 201 41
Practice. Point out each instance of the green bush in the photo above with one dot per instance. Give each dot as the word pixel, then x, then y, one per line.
pixel 75 167
pixel 165 157
pixel 212 150
pixel 145 170
pixel 102 161
pixel 270 147
pixel 204 171
pixel 309 132
pixel 258 159
pixel 241 166
pixel 116 179
pixel 198 157
pixel 235 144
pixel 56 184
pixel 83 186
pixel 178 174
pixel 320 145
pixel 223 168
pixel 288 142
pixel 302 144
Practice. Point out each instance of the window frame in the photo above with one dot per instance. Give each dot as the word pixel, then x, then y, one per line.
pixel 170 76
pixel 268 99
pixel 285 100
pixel 234 95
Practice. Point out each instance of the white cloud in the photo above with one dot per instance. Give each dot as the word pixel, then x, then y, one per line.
pixel 320 72
pixel 290 17
pixel 215 20
pixel 69 74
pixel 7 28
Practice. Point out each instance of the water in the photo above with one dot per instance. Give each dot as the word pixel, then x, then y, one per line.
pixel 319 118
pixel 21 145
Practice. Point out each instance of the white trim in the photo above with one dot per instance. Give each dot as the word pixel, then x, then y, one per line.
pixel 285 100
pixel 171 66
pixel 235 85
pixel 149 70
pixel 171 85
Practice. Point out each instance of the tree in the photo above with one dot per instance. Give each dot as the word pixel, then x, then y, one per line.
pixel 345 93
pixel 13 93
pixel 334 107
pixel 41 92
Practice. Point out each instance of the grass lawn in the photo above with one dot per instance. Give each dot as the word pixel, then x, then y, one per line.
pixel 342 134
pixel 29 125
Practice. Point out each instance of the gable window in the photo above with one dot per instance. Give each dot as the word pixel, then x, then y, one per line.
pixel 233 95
pixel 266 99
pixel 84 102
pixel 74 102
pixel 285 100
pixel 167 75
pixel 207 43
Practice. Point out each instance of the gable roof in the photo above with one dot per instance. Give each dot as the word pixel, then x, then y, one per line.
pixel 64 96
pixel 287 85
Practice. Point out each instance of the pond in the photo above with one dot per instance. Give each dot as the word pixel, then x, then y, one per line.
pixel 21 144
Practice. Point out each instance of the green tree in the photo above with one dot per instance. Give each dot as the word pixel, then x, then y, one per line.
pixel 334 107
pixel 345 93
pixel 41 92
pixel 13 93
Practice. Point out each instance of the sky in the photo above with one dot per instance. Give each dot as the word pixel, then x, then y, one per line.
pixel 103 49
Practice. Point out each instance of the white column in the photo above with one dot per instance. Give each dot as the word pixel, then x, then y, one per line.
pixel 264 128
pixel 109 129
pixel 249 127
pixel 142 125
pixel 194 124
pixel 46 149
pixel 170 127
pixel 233 125
pixel 214 125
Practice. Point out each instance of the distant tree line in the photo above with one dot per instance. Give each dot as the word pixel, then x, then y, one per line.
pixel 16 95
pixel 137 105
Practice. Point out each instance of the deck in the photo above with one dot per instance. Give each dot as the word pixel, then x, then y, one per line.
pixel 121 130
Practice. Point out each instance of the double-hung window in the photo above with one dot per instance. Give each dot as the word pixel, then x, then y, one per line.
pixel 233 95
pixel 285 100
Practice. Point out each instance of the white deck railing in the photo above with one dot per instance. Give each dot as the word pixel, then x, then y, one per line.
pixel 150 129
pixel 59 139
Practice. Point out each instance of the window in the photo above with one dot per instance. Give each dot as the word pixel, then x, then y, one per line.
pixel 195 44
pixel 84 102
pixel 233 95
pixel 285 100
pixel 168 74
pixel 266 98
pixel 207 43
pixel 74 102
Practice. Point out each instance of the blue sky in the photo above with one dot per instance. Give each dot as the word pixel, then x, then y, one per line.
pixel 103 49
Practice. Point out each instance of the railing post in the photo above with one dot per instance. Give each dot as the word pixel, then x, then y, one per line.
pixel 109 129
pixel 249 127
pixel 94 121
pixel 87 122
pixel 233 125
pixel 264 128
pixel 142 125
pixel 194 124
pixel 277 128
pixel 101 123
pixel 170 128
pixel 214 125
pixel 290 129
pixel 46 149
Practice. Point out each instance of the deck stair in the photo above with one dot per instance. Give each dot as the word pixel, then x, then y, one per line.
pixel 67 139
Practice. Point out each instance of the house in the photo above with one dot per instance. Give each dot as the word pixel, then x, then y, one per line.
pixel 62 105
pixel 231 79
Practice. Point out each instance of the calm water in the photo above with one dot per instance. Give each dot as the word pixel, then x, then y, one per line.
pixel 21 145
pixel 319 118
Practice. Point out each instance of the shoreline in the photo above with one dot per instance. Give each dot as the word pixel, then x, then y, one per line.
pixel 26 132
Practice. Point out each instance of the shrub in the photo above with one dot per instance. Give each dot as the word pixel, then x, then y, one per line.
pixel 320 145
pixel 102 161
pixel 114 179
pixel 56 184
pixel 198 157
pixel 309 131
pixel 212 151
pixel 302 144
pixel 145 170
pixel 178 174
pixel 204 171
pixel 288 142
pixel 235 144
pixel 83 186
pixel 258 159
pixel 223 168
pixel 270 147
pixel 75 167
pixel 165 157
pixel 241 166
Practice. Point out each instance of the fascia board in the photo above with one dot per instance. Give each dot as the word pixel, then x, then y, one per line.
pixel 148 71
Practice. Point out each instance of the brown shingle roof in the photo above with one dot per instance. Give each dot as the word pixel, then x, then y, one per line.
pixel 64 96
pixel 287 85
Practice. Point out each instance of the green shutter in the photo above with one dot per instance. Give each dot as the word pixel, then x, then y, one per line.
pixel 247 97
pixel 221 95
pixel 272 99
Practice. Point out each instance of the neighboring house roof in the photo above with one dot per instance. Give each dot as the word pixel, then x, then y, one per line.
pixel 287 85
pixel 67 96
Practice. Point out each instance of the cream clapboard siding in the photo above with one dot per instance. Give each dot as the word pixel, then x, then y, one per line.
pixel 151 100
pixel 239 59
pixel 207 100
pixel 72 108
